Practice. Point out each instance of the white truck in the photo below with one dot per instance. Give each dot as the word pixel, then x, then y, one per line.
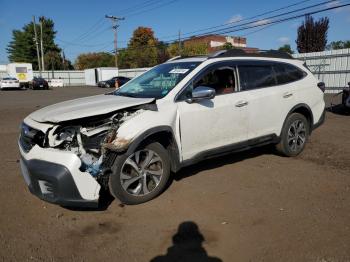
pixel 22 71
pixel 95 75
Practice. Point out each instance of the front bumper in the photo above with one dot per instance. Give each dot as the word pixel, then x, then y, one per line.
pixel 54 176
pixel 10 86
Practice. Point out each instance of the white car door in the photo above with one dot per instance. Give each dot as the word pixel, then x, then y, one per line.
pixel 212 124
pixel 268 102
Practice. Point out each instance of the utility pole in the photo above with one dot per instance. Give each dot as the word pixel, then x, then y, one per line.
pixel 63 60
pixel 115 26
pixel 37 44
pixel 41 45
pixel 179 42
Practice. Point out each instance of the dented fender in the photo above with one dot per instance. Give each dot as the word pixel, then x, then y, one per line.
pixel 134 131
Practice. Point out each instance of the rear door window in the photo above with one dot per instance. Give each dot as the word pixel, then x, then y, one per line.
pixel 256 76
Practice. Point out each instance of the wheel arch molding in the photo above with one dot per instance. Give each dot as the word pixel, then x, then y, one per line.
pixel 163 135
pixel 303 109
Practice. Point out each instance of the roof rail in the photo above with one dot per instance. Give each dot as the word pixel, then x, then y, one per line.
pixel 174 58
pixel 182 57
pixel 257 53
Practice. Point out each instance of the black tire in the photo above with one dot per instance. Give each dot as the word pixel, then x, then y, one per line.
pixel 115 183
pixel 292 144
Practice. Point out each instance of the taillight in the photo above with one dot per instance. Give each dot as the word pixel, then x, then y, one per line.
pixel 322 86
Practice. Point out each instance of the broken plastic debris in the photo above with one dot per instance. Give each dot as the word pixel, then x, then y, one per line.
pixel 118 144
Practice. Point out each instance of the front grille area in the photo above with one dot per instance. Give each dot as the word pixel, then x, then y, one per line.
pixel 30 137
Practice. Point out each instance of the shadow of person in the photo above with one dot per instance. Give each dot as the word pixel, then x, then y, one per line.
pixel 187 246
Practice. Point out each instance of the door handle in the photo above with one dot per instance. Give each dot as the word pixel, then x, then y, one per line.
pixel 286 95
pixel 241 103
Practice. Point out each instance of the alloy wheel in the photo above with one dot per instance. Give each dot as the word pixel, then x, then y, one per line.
pixel 141 172
pixel 296 135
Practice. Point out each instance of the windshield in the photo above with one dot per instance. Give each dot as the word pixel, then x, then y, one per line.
pixel 157 82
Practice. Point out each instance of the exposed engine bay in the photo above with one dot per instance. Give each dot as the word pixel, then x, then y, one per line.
pixel 92 142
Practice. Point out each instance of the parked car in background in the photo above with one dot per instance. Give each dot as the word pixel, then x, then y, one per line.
pixel 39 83
pixel 111 82
pixel 9 83
pixel 346 96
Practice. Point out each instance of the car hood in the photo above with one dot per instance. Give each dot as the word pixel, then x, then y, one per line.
pixel 86 107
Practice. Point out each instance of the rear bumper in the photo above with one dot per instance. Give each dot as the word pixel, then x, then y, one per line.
pixel 54 176
pixel 320 121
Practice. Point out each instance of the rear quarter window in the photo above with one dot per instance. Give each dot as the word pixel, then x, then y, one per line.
pixel 286 73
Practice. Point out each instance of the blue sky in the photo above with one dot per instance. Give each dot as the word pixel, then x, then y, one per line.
pixel 74 18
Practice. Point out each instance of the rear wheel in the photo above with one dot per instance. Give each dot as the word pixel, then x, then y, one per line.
pixel 140 176
pixel 294 135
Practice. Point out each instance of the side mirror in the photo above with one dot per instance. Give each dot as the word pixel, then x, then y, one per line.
pixel 201 93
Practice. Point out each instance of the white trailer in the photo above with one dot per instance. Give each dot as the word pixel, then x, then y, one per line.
pixel 22 71
pixel 95 75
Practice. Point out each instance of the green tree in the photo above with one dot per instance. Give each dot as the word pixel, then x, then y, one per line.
pixel 188 49
pixel 142 50
pixel 22 46
pixel 338 45
pixel 312 35
pixel 227 46
pixel 173 49
pixel 286 48
pixel 163 54
pixel 93 60
pixel 193 49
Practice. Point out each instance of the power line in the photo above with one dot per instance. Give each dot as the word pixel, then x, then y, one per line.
pixel 288 18
pixel 262 21
pixel 245 19
pixel 267 24
pixel 84 45
pixel 138 6
pixel 151 9
pixel 93 29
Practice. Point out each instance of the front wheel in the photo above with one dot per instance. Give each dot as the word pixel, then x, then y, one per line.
pixel 140 176
pixel 294 135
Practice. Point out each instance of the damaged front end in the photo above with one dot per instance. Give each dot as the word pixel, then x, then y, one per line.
pixel 69 163
pixel 92 141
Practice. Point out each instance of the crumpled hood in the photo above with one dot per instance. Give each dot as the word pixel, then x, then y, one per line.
pixel 86 107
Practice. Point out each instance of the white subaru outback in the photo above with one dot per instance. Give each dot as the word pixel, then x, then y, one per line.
pixel 183 111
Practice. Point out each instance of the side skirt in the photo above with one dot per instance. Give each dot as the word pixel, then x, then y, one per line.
pixel 236 147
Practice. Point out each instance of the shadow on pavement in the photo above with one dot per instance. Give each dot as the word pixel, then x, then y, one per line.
pixel 187 246
pixel 105 201
pixel 223 160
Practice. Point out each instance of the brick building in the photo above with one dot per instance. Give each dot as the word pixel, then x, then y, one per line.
pixel 215 42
